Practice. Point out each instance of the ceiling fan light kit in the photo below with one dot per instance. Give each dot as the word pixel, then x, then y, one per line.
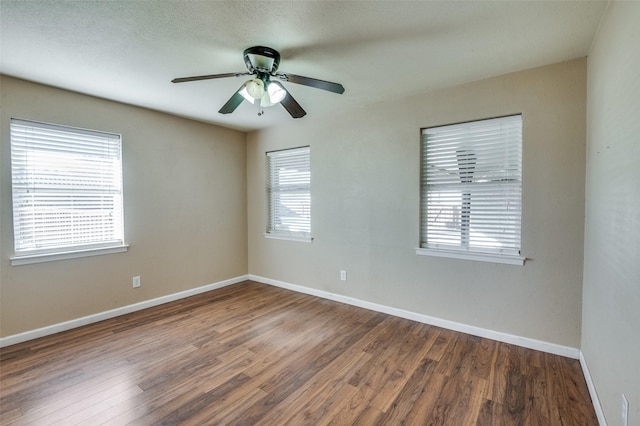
pixel 263 62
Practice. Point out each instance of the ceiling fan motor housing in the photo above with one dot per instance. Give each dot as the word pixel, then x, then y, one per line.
pixel 261 59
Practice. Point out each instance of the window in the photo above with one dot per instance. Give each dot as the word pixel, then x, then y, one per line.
pixel 471 190
pixel 67 192
pixel 289 194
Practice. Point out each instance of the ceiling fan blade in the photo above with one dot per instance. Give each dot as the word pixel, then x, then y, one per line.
pixel 313 82
pixel 290 104
pixel 233 102
pixel 208 77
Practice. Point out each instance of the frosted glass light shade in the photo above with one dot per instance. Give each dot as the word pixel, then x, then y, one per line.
pixel 276 93
pixel 255 88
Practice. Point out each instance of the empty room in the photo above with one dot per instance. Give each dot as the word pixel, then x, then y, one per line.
pixel 319 212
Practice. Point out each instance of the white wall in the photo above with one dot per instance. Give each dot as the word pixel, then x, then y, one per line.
pixel 611 311
pixel 365 207
pixel 184 202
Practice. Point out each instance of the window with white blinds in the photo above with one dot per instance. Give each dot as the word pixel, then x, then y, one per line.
pixel 289 193
pixel 67 189
pixel 471 187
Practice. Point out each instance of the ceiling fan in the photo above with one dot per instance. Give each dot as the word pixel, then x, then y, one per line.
pixel 262 63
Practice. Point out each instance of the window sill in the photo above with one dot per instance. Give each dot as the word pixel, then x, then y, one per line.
pixel 51 257
pixel 289 238
pixel 481 257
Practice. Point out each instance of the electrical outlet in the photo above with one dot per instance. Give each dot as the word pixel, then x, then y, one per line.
pixel 136 282
pixel 343 275
pixel 625 411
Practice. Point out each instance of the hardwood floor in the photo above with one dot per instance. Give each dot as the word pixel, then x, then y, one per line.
pixel 252 354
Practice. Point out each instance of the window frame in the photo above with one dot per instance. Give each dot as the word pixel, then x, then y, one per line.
pixel 453 148
pixel 44 159
pixel 302 153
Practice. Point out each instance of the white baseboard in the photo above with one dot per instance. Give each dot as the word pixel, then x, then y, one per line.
pixel 592 391
pixel 526 342
pixel 90 319
pixel 451 325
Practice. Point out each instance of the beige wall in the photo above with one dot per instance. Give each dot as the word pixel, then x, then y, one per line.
pixel 185 211
pixel 365 207
pixel 611 311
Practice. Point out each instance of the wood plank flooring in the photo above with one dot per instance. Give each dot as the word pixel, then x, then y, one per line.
pixel 251 354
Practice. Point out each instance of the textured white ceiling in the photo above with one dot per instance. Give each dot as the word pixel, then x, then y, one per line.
pixel 129 50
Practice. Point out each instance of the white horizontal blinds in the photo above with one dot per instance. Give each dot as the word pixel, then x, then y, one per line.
pixel 472 186
pixel 289 192
pixel 67 188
